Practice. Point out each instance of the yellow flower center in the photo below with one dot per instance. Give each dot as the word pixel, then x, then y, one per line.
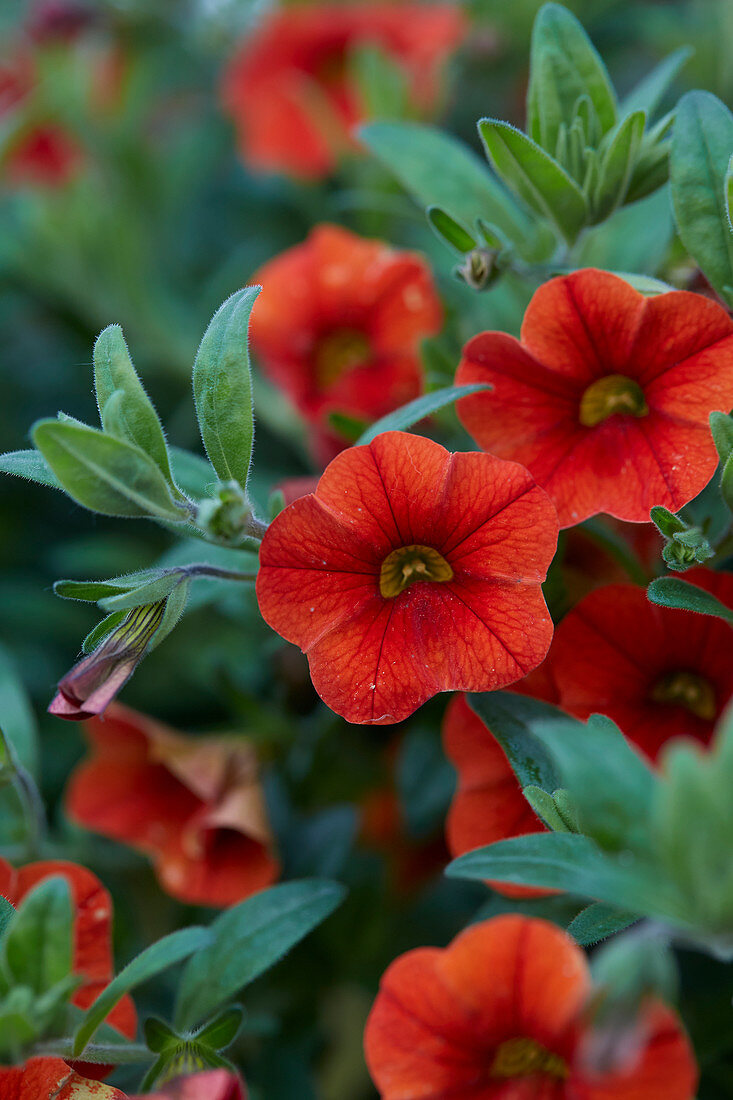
pixel 409 564
pixel 611 395
pixel 689 690
pixel 338 352
pixel 523 1057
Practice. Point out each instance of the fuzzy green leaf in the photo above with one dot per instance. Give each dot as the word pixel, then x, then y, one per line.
pixel 673 592
pixel 102 473
pixel 151 962
pixel 30 465
pixel 222 386
pixel 125 409
pixel 701 150
pixel 37 945
pixel 598 922
pixel 617 165
pixel 249 939
pixel 449 230
pixel 535 176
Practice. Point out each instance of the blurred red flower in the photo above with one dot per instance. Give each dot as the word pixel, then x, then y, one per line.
pixel 289 88
pixel 607 397
pixel 41 154
pixel 501 1014
pixel 338 325
pixel 657 672
pixel 52 1079
pixel 92 949
pixel 194 805
pixel 488 804
pixel 408 572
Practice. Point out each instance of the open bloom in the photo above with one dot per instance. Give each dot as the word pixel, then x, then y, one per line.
pixel 488 804
pixel 607 397
pixel 657 672
pixel 194 805
pixel 289 88
pixel 501 1014
pixel 338 326
pixel 408 572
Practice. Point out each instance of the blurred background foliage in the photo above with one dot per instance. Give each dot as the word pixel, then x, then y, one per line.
pixel 162 223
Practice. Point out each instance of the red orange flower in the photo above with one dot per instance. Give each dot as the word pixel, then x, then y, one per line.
pixel 51 1079
pixel 501 1014
pixel 657 672
pixel 607 397
pixel 289 89
pixel 194 805
pixel 338 325
pixel 408 572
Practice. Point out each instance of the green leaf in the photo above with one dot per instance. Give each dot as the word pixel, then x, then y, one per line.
pixel 157 588
pixel 667 522
pixel 222 386
pixel 503 715
pixel 721 427
pixel 101 630
pixel 125 409
pixel 7 912
pixel 598 922
pixel 634 239
pixel 673 592
pixel 103 473
pixel 38 942
pixel 192 473
pixel 648 93
pixel 416 410
pixel 701 150
pixel 617 165
pixel 535 176
pixel 380 81
pixel 249 939
pixel 30 465
pixel 563 861
pixel 175 605
pixel 420 157
pixel 726 482
pixel 449 230
pixel 92 591
pixel 221 1032
pixel 564 66
pixel 17 719
pixel 151 962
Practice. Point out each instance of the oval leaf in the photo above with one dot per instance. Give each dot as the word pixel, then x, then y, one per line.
pixel 102 473
pixel 30 465
pixel 222 386
pixel 673 592
pixel 701 150
pixel 418 409
pixel 131 416
pixel 535 176
pixel 598 922
pixel 155 959
pixel 249 939
pixel 37 946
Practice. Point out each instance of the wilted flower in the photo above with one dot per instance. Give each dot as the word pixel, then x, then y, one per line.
pixel 194 805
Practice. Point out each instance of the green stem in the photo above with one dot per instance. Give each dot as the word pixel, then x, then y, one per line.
pixel 116 1054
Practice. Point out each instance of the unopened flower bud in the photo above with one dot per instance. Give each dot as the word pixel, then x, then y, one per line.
pixel 93 683
pixel 479 269
pixel 228 517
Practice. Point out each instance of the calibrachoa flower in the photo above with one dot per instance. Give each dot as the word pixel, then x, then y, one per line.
pixel 92 949
pixel 52 1079
pixel 289 88
pixel 502 1014
pixel 338 326
pixel 194 805
pixel 607 397
pixel 488 804
pixel 408 572
pixel 657 672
